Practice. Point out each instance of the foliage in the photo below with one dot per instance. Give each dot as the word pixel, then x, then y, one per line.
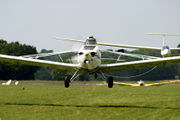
pixel 16 71
pixel 43 74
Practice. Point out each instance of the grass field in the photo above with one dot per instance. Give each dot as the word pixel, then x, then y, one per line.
pixel 54 102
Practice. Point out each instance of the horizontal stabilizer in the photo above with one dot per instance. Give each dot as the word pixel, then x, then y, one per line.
pixel 119 45
pixel 162 34
pixel 66 39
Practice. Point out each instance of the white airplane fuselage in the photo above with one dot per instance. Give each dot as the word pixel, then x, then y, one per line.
pixel 89 57
pixel 165 51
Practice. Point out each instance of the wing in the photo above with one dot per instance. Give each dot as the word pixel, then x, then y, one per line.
pixel 131 55
pixel 67 39
pixel 133 46
pixel 116 45
pixel 163 83
pixel 129 46
pixel 37 62
pixel 125 84
pixel 47 54
pixel 174 49
pixel 139 64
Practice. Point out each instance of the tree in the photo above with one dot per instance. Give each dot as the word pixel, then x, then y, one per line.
pixel 45 73
pixel 178 45
pixel 16 71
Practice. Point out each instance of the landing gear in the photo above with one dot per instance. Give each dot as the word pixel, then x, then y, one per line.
pixel 67 81
pixel 110 82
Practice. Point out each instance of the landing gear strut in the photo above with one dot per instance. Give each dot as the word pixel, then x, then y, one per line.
pixel 110 82
pixel 69 79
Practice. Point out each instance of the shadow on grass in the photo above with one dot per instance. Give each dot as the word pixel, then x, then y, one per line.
pixel 91 106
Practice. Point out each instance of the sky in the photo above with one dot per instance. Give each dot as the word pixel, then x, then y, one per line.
pixel 36 22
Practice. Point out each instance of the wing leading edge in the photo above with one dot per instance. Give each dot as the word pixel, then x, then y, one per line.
pixel 139 64
pixel 39 63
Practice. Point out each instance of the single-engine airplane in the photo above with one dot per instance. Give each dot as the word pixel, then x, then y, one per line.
pixel 88 59
pixel 7 83
pixel 142 83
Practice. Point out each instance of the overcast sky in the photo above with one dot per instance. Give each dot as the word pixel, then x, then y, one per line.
pixel 36 22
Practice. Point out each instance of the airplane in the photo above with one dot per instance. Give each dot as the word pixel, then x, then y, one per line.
pixel 88 60
pixel 141 83
pixel 165 50
pixel 7 83
pixel 16 83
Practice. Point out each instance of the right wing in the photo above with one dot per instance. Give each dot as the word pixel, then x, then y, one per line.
pixel 39 63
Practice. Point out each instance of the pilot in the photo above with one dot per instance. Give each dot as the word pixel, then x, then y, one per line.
pixel 91 41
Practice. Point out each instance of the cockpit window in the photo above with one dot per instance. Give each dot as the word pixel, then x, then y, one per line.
pixel 91 41
pixel 165 47
pixel 89 47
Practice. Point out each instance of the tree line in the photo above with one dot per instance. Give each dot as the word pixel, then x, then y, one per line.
pixel 16 71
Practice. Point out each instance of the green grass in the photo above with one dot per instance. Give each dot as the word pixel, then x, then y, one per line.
pixel 53 102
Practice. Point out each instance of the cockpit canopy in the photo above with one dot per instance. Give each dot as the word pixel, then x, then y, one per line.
pixel 165 47
pixel 87 47
pixel 91 41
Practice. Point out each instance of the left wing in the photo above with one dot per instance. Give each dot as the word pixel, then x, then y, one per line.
pixel 139 64
pixel 39 63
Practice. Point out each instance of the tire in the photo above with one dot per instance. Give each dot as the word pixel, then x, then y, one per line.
pixel 110 82
pixel 67 81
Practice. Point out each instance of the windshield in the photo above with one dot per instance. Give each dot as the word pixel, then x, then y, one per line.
pixel 165 47
pixel 89 47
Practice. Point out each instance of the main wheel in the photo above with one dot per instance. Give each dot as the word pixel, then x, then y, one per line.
pixel 110 82
pixel 67 81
